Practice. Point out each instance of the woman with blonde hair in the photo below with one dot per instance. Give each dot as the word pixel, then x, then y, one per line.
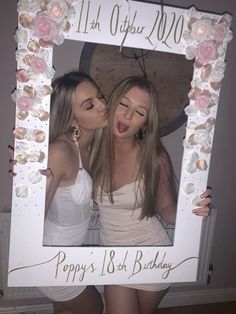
pixel 78 112
pixel 132 177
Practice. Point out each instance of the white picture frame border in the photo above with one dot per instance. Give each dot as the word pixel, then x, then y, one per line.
pixel 122 23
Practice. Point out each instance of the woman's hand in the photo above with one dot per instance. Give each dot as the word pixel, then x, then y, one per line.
pixel 205 204
pixel 12 161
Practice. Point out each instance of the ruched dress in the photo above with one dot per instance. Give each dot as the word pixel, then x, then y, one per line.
pixel 120 224
pixel 67 223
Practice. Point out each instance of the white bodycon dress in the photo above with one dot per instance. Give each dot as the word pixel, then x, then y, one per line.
pixel 66 224
pixel 120 225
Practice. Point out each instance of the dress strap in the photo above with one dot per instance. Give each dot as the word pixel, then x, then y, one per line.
pixel 80 159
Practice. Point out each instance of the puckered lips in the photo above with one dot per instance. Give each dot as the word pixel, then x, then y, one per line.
pixel 122 127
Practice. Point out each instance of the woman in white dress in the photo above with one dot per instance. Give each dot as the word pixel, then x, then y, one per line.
pixel 132 184
pixel 78 111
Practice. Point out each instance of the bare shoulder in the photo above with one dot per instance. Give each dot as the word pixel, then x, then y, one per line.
pixel 60 148
pixel 59 155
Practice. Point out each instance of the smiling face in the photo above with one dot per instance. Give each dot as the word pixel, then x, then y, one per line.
pixel 89 107
pixel 131 113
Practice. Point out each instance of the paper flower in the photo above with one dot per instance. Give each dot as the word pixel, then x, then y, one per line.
pixel 22 76
pixel 21 36
pixel 206 52
pixel 217 72
pixel 44 27
pixel 38 65
pixel 26 134
pixel 57 10
pixel 201 137
pixel 202 101
pixel 219 32
pixel 34 176
pixel 193 164
pixel 22 191
pixel 24 103
pixel 30 6
pixel 201 29
pixel 24 154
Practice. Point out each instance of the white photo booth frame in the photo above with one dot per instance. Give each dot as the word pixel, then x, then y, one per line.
pixel 192 33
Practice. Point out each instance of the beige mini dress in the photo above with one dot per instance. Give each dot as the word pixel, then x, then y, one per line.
pixel 120 225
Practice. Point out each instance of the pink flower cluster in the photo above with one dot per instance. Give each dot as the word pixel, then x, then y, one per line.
pixel 45 28
pixel 48 19
pixel 38 65
pixel 206 52
pixel 24 103
pixel 202 98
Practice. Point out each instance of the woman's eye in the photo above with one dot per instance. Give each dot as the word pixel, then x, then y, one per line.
pixel 122 104
pixel 140 113
pixel 89 106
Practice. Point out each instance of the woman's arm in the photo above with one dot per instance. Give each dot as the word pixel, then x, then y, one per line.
pixel 167 206
pixel 57 161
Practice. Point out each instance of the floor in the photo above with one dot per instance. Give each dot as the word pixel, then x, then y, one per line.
pixel 214 308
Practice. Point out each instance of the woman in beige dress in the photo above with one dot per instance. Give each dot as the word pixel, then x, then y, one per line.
pixel 132 177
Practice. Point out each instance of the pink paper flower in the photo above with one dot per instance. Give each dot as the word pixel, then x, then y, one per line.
pixel 45 28
pixel 219 32
pixel 206 52
pixel 24 103
pixel 22 76
pixel 38 65
pixel 202 101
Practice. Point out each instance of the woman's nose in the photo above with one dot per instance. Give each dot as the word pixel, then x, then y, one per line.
pixel 128 114
pixel 102 104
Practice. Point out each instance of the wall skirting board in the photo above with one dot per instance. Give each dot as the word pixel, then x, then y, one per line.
pixel 199 297
pixel 172 299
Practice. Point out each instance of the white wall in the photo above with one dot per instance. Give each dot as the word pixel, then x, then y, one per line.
pixel 222 176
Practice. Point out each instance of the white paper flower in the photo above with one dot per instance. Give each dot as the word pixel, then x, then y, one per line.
pixel 29 6
pixel 34 176
pixel 191 12
pixel 201 137
pixel 190 52
pixel 189 188
pixel 22 191
pixel 187 37
pixel 217 74
pixel 21 36
pixel 57 10
pixel 201 29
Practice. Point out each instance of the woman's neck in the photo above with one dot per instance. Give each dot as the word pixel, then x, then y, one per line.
pixel 123 145
pixel 85 139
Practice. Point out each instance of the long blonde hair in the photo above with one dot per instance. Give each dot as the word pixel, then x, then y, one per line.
pixel 151 150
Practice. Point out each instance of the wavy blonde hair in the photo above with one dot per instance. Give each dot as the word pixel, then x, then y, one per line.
pixel 152 159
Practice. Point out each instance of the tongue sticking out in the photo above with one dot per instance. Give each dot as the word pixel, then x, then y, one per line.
pixel 122 127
